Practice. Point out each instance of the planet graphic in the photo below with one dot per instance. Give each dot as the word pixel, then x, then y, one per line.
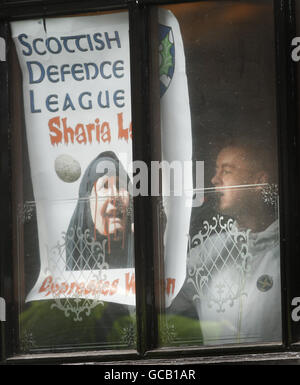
pixel 67 168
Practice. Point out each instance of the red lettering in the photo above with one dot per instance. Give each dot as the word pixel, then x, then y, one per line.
pixel 97 130
pixel 105 288
pixel 80 288
pixel 129 285
pixel 67 131
pixel 83 133
pixel 63 288
pixel 170 282
pixel 91 287
pixel 114 287
pixel 54 125
pixel 90 128
pixel 123 132
pixel 105 131
pixel 80 133
pixel 72 287
pixel 46 285
pixel 55 289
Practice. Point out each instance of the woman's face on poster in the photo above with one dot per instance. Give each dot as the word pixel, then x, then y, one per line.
pixel 109 203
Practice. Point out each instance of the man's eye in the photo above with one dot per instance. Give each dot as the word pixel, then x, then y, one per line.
pixel 225 172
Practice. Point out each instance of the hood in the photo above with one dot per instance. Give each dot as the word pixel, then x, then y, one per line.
pixel 86 248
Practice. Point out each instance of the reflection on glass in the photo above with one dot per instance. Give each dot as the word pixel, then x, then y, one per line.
pixel 233 275
pixel 232 288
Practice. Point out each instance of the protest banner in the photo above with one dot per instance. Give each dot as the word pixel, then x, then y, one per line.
pixel 77 107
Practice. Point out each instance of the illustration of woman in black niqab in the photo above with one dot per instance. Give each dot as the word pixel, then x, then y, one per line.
pixel 100 230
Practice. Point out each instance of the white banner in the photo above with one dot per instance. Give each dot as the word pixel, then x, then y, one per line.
pixel 77 103
pixel 176 147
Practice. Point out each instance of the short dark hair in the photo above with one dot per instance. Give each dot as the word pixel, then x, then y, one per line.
pixel 263 153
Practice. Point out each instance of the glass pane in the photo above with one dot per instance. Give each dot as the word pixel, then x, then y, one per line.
pixel 72 183
pixel 220 238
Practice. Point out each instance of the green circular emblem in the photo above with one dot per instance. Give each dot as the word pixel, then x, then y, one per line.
pixel 264 283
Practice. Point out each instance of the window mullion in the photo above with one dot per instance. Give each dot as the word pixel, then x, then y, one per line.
pixel 286 115
pixel 143 116
pixel 6 263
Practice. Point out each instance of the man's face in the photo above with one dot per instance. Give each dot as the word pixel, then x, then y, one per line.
pixel 234 168
pixel 109 204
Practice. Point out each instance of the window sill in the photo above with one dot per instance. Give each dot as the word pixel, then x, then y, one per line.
pixel 130 357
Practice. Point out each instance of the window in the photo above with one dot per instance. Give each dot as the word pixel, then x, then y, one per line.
pixel 229 282
pixel 148 172
pixel 74 225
